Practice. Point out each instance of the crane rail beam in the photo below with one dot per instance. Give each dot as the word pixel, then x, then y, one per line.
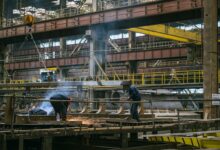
pixel 137 15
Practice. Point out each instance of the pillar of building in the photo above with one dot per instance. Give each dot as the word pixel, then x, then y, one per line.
pixel 64 73
pixel 133 136
pixel 91 57
pixel 47 143
pixel 131 39
pixel 97 51
pixel 3 53
pixel 3 142
pixel 62 4
pixel 21 143
pixel 130 2
pixel 97 64
pixel 210 57
pixel 62 47
pixel 9 110
pixel 131 44
pixel 1 12
pixel 97 46
pixel 94 5
pixel 8 8
pixel 3 76
pixel 124 140
pixel 86 140
pixel 18 4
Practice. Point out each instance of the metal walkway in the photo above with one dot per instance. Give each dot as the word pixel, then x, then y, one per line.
pixel 172 77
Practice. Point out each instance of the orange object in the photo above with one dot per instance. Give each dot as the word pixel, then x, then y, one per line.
pixel 29 19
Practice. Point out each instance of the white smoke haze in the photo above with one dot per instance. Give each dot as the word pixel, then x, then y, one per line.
pixel 61 89
pixel 64 89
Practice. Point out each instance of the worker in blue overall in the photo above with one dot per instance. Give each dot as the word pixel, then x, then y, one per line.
pixel 135 96
pixel 61 105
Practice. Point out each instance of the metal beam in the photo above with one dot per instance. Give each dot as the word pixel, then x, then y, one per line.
pixel 114 45
pixel 120 18
pixel 114 57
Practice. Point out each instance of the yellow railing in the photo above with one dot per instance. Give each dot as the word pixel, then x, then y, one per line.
pixel 149 78
pixel 163 78
pixel 155 78
pixel 15 81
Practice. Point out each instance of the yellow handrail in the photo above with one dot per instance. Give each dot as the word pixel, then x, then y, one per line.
pixel 148 78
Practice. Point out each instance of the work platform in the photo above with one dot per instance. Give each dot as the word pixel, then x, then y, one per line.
pixel 88 122
pixel 121 127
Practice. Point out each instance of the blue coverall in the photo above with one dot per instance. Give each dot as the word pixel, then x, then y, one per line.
pixel 135 96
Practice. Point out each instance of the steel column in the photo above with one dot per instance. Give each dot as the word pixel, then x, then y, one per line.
pixel 91 56
pixel 131 39
pixel 3 51
pixel 210 57
pixel 62 47
pixel 97 55
pixel 3 142
pixel 124 140
pixel 47 143
pixel 131 43
pixel 1 12
pixel 9 110
pixel 94 5
pixel 21 143
pixel 62 4
pixel 97 50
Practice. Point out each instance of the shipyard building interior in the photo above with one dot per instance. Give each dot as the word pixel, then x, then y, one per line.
pixel 109 74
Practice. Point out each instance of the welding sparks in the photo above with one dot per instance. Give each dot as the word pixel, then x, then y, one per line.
pixel 86 121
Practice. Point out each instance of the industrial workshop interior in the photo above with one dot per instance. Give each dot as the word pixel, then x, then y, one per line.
pixel 109 74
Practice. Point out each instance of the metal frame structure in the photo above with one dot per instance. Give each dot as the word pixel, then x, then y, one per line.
pixel 78 24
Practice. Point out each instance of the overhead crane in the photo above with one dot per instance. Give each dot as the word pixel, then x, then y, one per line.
pixel 169 32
